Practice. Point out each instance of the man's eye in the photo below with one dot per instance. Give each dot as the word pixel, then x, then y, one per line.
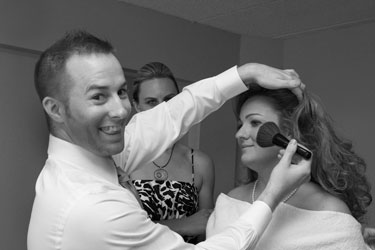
pixel 98 97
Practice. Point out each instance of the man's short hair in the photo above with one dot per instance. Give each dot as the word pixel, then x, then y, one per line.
pixel 49 69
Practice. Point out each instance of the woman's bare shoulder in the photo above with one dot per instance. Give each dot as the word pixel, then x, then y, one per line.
pixel 242 192
pixel 199 156
pixel 203 163
pixel 313 197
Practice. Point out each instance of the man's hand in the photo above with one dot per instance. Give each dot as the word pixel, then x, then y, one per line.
pixel 285 177
pixel 191 226
pixel 271 78
pixel 196 223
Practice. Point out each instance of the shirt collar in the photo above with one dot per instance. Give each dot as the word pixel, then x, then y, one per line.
pixel 81 158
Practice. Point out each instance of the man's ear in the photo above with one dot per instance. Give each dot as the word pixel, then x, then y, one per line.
pixel 54 108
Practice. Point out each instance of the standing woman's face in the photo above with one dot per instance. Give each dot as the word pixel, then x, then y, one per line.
pixel 153 92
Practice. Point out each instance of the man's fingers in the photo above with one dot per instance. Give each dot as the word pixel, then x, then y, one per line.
pixel 304 166
pixel 302 86
pixel 295 84
pixel 292 72
pixel 298 91
pixel 289 152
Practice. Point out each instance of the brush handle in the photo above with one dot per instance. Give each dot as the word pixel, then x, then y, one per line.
pixel 283 142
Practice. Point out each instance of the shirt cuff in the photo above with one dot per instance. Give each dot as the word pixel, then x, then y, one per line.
pixel 230 83
pixel 260 215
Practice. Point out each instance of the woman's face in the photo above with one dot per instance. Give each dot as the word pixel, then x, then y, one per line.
pixel 254 112
pixel 153 92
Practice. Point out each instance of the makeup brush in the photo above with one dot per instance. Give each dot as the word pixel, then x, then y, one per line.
pixel 269 135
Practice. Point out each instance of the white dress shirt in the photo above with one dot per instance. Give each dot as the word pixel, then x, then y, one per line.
pixel 80 205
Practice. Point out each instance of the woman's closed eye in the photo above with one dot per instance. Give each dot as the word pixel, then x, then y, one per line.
pixel 255 123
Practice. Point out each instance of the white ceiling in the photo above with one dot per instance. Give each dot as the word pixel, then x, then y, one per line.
pixel 267 18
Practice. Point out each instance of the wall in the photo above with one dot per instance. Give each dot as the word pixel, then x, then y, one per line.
pixel 24 137
pixel 192 51
pixel 261 50
pixel 339 66
pixel 140 35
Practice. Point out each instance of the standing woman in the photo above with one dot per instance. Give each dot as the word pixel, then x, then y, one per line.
pixel 175 189
pixel 323 214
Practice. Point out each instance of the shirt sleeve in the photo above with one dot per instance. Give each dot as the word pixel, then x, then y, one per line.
pixel 149 133
pixel 120 224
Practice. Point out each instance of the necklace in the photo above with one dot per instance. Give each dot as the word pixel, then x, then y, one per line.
pixel 161 173
pixel 255 186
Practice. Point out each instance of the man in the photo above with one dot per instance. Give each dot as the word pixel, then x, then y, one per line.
pixel 79 202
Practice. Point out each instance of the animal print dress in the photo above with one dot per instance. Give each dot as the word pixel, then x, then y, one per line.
pixel 168 199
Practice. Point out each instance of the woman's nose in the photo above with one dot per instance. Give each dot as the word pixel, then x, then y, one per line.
pixel 241 133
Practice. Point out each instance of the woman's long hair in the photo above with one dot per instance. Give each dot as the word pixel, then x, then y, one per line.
pixel 335 166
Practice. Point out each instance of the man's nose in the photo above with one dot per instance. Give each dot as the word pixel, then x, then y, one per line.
pixel 120 108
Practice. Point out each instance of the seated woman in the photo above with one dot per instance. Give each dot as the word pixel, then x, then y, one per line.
pixel 324 213
pixel 176 189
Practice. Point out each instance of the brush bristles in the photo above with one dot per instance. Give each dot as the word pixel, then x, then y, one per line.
pixel 266 133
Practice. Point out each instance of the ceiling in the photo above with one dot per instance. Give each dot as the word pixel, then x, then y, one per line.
pixel 267 18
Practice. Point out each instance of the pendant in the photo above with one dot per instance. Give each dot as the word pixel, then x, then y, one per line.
pixel 161 174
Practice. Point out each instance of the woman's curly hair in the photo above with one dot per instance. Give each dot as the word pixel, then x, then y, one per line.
pixel 335 166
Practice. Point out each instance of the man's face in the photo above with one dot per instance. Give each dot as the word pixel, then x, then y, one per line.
pixel 98 105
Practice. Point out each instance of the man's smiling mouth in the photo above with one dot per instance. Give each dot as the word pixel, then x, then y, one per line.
pixel 111 130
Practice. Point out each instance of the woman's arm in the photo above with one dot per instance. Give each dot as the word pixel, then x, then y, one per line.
pixel 205 169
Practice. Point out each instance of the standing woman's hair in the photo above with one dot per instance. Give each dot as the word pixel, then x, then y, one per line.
pixel 335 166
pixel 150 71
